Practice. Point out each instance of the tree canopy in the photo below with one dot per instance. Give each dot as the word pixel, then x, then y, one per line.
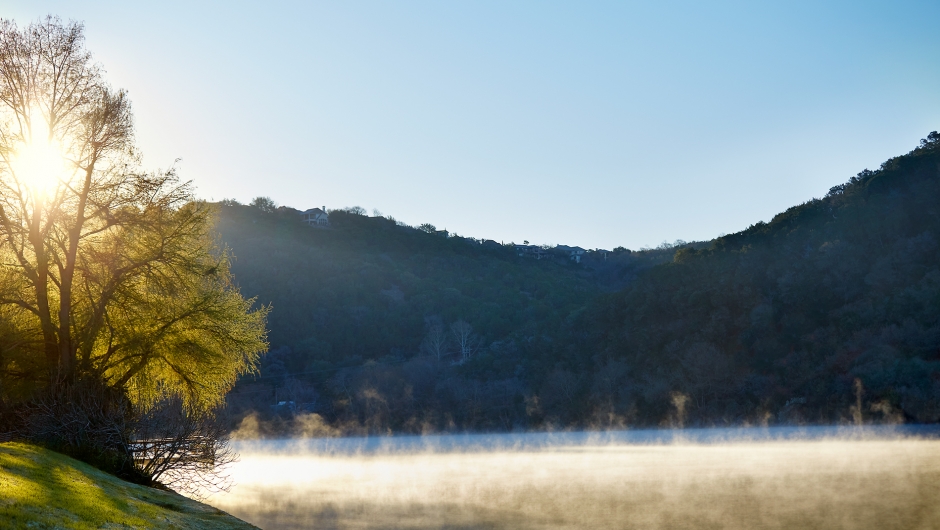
pixel 106 270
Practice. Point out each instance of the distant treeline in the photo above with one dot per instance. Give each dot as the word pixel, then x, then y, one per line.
pixel 827 313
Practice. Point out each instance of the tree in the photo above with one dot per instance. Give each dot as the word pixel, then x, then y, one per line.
pixel 932 139
pixel 465 339
pixel 265 204
pixel 435 343
pixel 106 271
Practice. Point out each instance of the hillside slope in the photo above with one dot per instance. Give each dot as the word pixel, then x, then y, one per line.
pixel 354 307
pixel 43 489
pixel 829 312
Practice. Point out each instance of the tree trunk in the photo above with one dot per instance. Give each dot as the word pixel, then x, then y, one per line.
pixel 42 285
pixel 67 352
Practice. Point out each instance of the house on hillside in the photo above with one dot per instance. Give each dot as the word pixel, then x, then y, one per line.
pixel 316 217
pixel 533 251
pixel 573 253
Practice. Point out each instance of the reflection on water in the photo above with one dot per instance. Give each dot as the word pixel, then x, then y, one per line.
pixel 769 478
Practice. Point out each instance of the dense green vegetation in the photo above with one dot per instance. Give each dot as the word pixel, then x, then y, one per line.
pixel 827 313
pixel 779 321
pixel 353 307
pixel 117 309
pixel 43 489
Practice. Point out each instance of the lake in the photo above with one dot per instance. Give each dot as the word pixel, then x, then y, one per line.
pixel 820 477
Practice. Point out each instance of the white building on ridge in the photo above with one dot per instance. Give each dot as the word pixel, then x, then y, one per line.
pixel 316 217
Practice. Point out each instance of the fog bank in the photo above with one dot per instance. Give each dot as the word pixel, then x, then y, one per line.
pixel 873 480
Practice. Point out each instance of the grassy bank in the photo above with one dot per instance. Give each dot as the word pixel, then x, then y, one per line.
pixel 44 489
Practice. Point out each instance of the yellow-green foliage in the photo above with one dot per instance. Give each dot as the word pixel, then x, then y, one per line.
pixel 113 273
pixel 43 489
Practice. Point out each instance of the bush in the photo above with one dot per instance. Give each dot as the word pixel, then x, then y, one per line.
pixel 166 446
pixel 182 449
pixel 86 420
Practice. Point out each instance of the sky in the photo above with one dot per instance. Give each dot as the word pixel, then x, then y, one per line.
pixel 598 124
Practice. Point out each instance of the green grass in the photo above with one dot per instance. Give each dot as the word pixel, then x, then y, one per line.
pixel 44 489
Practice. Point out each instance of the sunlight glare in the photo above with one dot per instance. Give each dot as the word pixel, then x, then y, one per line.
pixel 40 163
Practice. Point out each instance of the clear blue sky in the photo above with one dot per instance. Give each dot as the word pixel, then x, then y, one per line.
pixel 591 123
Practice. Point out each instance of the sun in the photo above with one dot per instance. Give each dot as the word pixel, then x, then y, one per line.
pixel 39 163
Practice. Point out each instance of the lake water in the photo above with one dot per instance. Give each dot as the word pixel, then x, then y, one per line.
pixel 828 478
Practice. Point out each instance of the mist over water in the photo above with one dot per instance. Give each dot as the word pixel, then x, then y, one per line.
pixel 713 478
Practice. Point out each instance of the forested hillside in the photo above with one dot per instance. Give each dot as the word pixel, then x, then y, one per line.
pixel 829 312
pixel 379 326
